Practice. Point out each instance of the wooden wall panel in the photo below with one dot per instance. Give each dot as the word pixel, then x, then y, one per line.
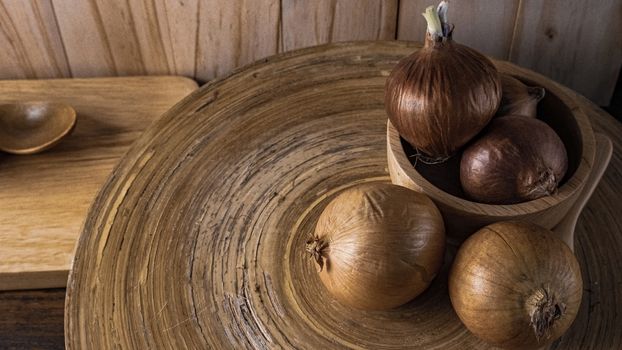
pixel 167 35
pixel 579 44
pixel 575 42
pixel 30 43
pixel 109 37
pixel 308 23
pixel 96 45
pixel 482 24
pixel 233 33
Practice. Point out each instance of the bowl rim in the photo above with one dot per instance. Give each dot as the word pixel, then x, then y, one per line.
pixel 571 187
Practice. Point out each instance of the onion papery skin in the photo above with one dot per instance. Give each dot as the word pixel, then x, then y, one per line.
pixel 441 96
pixel 515 285
pixel 518 98
pixel 381 245
pixel 517 159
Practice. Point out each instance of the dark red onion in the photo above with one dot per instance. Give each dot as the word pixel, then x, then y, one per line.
pixel 442 95
pixel 517 159
pixel 518 98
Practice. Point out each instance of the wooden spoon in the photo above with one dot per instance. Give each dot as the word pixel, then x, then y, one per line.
pixel 565 228
pixel 32 127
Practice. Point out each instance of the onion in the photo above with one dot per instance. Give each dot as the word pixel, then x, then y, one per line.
pixel 378 245
pixel 515 285
pixel 517 159
pixel 518 98
pixel 442 95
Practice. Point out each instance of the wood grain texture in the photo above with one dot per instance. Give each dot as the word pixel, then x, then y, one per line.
pixel 198 238
pixel 32 319
pixel 208 39
pixel 167 35
pixel 92 48
pixel 233 33
pixel 597 246
pixel 565 229
pixel 308 23
pixel 104 37
pixel 44 198
pixel 480 24
pixel 551 46
pixel 30 41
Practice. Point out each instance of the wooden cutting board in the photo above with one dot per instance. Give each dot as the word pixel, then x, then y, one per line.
pixel 44 198
pixel 197 241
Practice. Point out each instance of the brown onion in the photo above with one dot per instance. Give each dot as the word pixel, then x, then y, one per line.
pixel 517 159
pixel 442 95
pixel 378 245
pixel 515 285
pixel 518 98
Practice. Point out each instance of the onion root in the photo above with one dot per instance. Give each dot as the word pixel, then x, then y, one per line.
pixel 546 185
pixel 316 247
pixel 544 311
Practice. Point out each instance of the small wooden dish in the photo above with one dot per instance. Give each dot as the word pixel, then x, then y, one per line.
pixel 462 216
pixel 33 127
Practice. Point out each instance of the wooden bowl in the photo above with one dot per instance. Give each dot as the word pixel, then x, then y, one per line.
pixel 442 181
pixel 32 127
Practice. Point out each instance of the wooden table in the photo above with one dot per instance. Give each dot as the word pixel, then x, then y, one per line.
pixel 21 308
pixel 198 240
pixel 44 198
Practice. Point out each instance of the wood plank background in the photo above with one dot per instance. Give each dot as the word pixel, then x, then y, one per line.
pixel 575 42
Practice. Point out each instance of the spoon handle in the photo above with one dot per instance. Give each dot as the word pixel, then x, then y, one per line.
pixel 565 228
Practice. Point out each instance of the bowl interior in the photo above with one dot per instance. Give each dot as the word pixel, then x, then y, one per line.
pixel 551 110
pixel 29 126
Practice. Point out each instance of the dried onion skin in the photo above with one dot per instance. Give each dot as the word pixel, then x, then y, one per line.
pixel 519 98
pixel 516 159
pixel 377 246
pixel 515 285
pixel 441 96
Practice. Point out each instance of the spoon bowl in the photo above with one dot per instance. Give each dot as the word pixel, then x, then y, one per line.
pixel 32 127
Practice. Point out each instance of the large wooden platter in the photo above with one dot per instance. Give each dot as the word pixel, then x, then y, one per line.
pixel 197 239
pixel 44 198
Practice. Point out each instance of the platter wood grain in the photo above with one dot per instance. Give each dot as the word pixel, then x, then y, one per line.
pixel 197 238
